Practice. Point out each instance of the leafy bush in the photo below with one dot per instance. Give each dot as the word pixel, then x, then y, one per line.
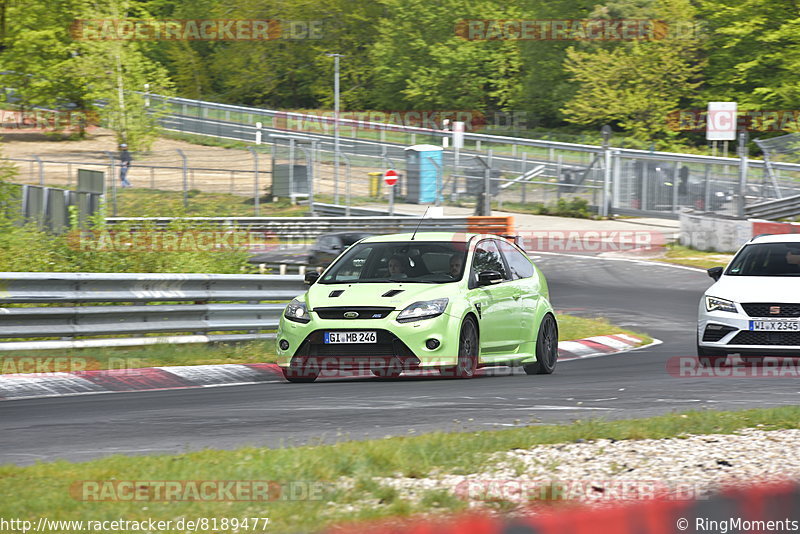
pixel 28 248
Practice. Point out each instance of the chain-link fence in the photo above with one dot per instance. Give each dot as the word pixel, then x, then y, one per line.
pixel 277 159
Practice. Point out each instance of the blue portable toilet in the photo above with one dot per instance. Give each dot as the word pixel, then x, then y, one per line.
pixel 424 168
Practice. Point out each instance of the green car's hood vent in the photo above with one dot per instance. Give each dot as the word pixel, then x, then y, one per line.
pixel 394 294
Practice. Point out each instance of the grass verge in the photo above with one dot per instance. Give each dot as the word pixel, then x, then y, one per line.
pixel 680 255
pixel 570 327
pixel 44 489
pixel 140 202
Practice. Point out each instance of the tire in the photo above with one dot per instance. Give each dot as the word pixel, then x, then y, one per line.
pixel 710 357
pixel 546 348
pixel 299 377
pixel 468 350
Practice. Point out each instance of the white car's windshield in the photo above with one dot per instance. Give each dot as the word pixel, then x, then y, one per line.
pixel 422 262
pixel 767 259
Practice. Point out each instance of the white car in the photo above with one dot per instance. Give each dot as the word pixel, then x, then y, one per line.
pixel 753 309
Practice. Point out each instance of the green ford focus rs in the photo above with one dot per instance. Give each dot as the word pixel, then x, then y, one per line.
pixel 451 302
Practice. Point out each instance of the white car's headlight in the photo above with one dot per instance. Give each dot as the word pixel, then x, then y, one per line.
pixel 296 311
pixel 715 304
pixel 426 309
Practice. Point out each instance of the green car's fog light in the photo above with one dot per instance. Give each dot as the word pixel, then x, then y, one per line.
pixel 432 343
pixel 284 345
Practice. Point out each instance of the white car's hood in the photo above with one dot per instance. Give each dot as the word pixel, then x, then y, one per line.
pixel 757 288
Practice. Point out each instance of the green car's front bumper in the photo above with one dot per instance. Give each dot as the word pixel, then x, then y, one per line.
pixel 405 345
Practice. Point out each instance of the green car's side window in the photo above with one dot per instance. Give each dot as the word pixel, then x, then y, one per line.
pixel 352 268
pixel 487 258
pixel 518 263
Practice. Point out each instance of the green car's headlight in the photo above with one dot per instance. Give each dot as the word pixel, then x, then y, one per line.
pixel 425 309
pixel 715 304
pixel 296 311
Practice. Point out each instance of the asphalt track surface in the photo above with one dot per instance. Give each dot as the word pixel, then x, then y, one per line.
pixel 659 300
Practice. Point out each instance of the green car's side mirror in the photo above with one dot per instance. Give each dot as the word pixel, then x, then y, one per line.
pixel 488 278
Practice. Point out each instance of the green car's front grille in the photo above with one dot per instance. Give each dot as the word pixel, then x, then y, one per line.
pixel 346 312
pixel 313 351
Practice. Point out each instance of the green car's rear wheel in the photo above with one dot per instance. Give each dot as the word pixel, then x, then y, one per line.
pixel 468 349
pixel 546 348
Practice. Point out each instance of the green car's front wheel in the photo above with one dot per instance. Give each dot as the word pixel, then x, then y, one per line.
pixel 546 348
pixel 468 349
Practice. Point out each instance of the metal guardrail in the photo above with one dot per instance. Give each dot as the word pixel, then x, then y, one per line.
pixel 488 139
pixel 775 209
pixel 311 227
pixel 336 210
pixel 146 304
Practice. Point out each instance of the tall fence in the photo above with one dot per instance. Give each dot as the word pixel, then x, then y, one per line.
pixel 613 179
pixel 292 155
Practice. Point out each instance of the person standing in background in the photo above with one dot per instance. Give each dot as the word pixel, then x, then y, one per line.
pixel 125 160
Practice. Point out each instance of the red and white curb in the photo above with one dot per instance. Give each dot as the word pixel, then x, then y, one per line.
pixel 39 385
pixel 592 347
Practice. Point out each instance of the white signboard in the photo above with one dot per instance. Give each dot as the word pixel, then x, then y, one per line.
pixel 721 121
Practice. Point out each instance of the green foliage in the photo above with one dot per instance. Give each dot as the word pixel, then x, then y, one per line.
pixel 573 207
pixel 51 67
pixel 408 55
pixel 28 248
pixel 635 85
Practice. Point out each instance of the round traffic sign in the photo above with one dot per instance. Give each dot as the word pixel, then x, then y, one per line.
pixel 390 177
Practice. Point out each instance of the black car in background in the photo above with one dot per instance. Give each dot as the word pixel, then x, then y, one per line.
pixel 328 247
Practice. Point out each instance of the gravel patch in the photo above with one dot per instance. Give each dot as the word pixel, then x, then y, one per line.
pixel 607 471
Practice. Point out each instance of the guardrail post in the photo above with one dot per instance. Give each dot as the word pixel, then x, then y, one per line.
pixel 487 185
pixel 616 184
pixel 41 169
pixel 185 181
pixel 256 195
pixel 113 177
pixel 742 172
pixel 606 196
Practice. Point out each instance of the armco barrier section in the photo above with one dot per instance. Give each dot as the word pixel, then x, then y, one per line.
pixel 720 234
pixel 148 304
pixel 713 233
pixel 768 508
pixel 311 227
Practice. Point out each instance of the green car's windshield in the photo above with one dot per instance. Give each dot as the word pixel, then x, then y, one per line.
pixel 419 262
pixel 767 259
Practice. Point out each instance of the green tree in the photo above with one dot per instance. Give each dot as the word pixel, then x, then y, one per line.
pixel 421 62
pixel 637 84
pixel 753 49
